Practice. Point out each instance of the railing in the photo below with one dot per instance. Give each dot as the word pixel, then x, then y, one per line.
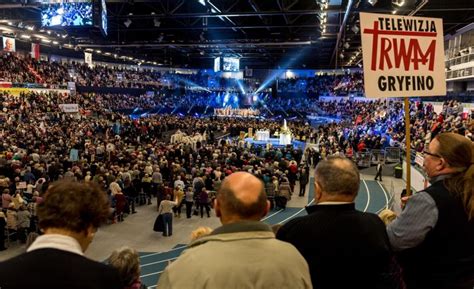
pixel 367 157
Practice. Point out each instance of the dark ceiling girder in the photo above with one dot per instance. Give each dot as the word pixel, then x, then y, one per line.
pixel 202 45
pixel 232 14
pixel 177 7
pixel 230 27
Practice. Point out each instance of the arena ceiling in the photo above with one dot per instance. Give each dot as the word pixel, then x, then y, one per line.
pixel 263 33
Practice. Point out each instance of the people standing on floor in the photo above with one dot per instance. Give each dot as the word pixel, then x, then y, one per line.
pixel 166 210
pixel 379 170
pixel 69 217
pixel 284 193
pixel 292 174
pixel 204 203
pixel 147 188
pixel 335 239
pixel 178 183
pixel 120 206
pixel 304 179
pixel 12 221
pixel 243 252
pixel 189 200
pixel 434 234
pixel 179 195
pixel 23 223
pixel 131 194
pixel 6 199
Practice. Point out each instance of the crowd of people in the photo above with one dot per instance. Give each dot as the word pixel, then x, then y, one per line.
pixel 49 156
pixel 20 69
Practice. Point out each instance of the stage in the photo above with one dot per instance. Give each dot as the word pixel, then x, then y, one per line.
pixel 276 143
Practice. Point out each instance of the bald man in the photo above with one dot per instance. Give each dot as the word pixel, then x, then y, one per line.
pixel 243 252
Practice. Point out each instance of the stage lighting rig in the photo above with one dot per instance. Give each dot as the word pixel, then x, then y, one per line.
pixel 372 2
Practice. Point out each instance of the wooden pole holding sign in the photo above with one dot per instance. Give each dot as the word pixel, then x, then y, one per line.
pixel 408 145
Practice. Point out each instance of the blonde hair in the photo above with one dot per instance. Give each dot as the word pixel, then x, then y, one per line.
pixel 387 216
pixel 127 263
pixel 200 232
pixel 457 151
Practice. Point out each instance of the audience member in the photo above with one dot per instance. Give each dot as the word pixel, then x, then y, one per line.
pixel 434 234
pixel 243 252
pixel 166 210
pixel 127 263
pixel 344 248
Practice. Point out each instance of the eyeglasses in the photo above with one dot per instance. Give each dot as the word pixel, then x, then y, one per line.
pixel 425 152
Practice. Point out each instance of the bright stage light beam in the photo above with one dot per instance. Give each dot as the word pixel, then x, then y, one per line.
pixel 292 59
pixel 241 86
pixel 192 84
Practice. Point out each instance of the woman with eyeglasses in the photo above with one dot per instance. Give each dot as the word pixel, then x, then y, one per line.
pixel 434 234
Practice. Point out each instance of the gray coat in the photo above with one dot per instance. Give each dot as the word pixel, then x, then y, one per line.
pixel 240 255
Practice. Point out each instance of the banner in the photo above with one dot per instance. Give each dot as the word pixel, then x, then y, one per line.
pixel 15 91
pixel 9 44
pixel 88 58
pixel 5 84
pixel 69 107
pixel 403 55
pixel 35 51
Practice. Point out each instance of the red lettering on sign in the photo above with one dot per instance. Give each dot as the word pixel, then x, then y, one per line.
pixel 396 52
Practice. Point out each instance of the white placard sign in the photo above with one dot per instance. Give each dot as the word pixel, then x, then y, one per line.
pixel 88 58
pixel 69 107
pixel 403 55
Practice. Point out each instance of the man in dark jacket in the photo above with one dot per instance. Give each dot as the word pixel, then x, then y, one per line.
pixel 69 217
pixel 344 248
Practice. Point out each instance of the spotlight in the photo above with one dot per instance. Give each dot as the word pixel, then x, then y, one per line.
pixel 341 56
pixel 346 45
pixel 156 22
pixel 127 23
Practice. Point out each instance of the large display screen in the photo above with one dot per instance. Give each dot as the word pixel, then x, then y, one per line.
pixel 103 17
pixel 67 13
pixel 217 64
pixel 230 64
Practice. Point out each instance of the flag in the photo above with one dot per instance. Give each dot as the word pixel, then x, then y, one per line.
pixel 88 58
pixel 35 51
